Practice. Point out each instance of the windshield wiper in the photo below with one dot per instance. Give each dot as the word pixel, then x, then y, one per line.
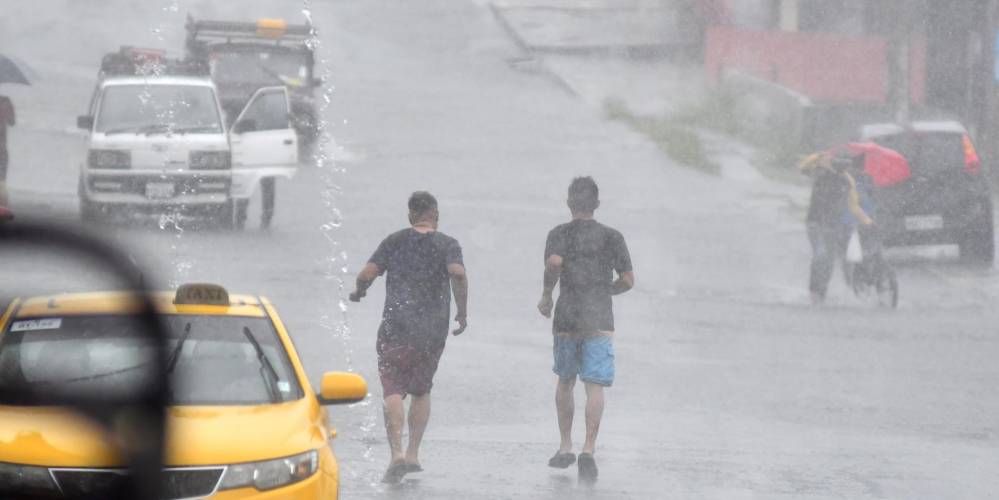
pixel 197 129
pixel 266 368
pixel 175 354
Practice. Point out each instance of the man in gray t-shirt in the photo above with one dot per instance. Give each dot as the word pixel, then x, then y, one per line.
pixel 582 257
pixel 424 267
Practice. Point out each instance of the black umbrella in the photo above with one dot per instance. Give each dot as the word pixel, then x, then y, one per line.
pixel 12 70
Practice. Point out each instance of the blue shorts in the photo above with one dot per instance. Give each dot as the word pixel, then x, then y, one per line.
pixel 592 359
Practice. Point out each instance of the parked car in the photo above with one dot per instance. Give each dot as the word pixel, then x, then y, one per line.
pixel 946 199
pixel 157 141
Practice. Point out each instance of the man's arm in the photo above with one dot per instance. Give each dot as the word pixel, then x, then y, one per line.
pixel 553 271
pixel 853 202
pixel 365 278
pixel 459 286
pixel 625 281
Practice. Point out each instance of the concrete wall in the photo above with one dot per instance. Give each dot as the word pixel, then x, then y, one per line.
pixel 825 67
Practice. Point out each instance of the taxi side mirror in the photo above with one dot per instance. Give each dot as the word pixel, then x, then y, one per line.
pixel 339 388
pixel 85 122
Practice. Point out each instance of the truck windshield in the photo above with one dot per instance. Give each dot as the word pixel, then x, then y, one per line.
pixel 259 68
pixel 212 359
pixel 158 109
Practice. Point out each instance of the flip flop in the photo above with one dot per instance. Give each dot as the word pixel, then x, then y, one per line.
pixel 562 460
pixel 587 467
pixel 411 468
pixel 395 473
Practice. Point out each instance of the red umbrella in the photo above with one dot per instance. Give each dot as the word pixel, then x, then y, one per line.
pixel 886 166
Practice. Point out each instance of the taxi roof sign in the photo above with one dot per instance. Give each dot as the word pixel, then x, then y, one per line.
pixel 271 28
pixel 205 294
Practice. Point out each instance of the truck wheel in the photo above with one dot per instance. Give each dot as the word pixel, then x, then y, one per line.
pixel 239 222
pixel 222 218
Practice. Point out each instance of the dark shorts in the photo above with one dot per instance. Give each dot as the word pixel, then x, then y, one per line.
pixel 407 365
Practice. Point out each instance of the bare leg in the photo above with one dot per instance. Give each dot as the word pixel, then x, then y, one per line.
pixel 395 414
pixel 419 416
pixel 594 410
pixel 565 405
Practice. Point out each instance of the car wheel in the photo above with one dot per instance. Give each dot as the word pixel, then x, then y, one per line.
pixel 977 246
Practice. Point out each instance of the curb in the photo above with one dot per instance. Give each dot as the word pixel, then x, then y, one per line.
pixel 633 50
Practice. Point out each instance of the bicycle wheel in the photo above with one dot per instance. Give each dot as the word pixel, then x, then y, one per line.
pixel 860 280
pixel 888 288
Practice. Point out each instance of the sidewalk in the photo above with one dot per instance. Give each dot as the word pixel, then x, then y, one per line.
pixel 589 48
pixel 588 27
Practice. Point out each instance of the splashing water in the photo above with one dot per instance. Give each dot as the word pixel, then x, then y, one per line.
pixel 337 264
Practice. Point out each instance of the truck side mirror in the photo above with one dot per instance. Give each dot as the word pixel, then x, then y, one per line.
pixel 85 122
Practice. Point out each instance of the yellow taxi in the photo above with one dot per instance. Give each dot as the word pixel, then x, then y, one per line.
pixel 244 422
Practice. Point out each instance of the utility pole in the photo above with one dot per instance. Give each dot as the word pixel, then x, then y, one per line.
pixel 898 54
pixel 981 97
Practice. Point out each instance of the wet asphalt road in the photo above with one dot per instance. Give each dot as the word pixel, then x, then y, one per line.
pixel 729 385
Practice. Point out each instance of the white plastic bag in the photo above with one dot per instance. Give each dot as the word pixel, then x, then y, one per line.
pixel 854 253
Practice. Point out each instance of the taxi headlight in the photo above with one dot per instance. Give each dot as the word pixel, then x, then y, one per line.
pixel 271 474
pixel 25 480
pixel 209 160
pixel 109 158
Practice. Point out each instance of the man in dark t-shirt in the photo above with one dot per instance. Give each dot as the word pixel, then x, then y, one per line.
pixel 582 257
pixel 424 266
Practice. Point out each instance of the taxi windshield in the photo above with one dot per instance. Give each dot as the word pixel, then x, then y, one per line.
pixel 214 360
pixel 158 109
pixel 259 68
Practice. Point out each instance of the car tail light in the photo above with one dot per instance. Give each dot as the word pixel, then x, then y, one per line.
pixel 972 164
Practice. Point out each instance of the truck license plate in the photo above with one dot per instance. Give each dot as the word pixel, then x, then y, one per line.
pixel 159 190
pixel 924 223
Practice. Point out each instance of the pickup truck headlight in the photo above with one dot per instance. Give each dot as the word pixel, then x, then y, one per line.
pixel 209 160
pixel 26 480
pixel 109 158
pixel 271 474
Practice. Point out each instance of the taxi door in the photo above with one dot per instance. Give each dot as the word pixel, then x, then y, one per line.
pixel 262 141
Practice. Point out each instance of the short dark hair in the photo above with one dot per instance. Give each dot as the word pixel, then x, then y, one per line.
pixel 421 202
pixel 584 196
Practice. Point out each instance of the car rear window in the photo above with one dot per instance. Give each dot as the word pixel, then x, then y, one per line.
pixel 927 152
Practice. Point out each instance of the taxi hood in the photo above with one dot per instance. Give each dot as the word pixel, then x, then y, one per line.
pixel 196 435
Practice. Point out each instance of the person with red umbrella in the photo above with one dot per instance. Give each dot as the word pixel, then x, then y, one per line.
pixel 833 190
pixel 873 167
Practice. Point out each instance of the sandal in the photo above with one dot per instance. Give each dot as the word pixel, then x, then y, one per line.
pixel 587 467
pixel 562 460
pixel 395 473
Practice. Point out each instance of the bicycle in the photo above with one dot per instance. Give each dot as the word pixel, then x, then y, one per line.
pixel 873 277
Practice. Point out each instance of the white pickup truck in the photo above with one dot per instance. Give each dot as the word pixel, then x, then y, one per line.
pixel 159 144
